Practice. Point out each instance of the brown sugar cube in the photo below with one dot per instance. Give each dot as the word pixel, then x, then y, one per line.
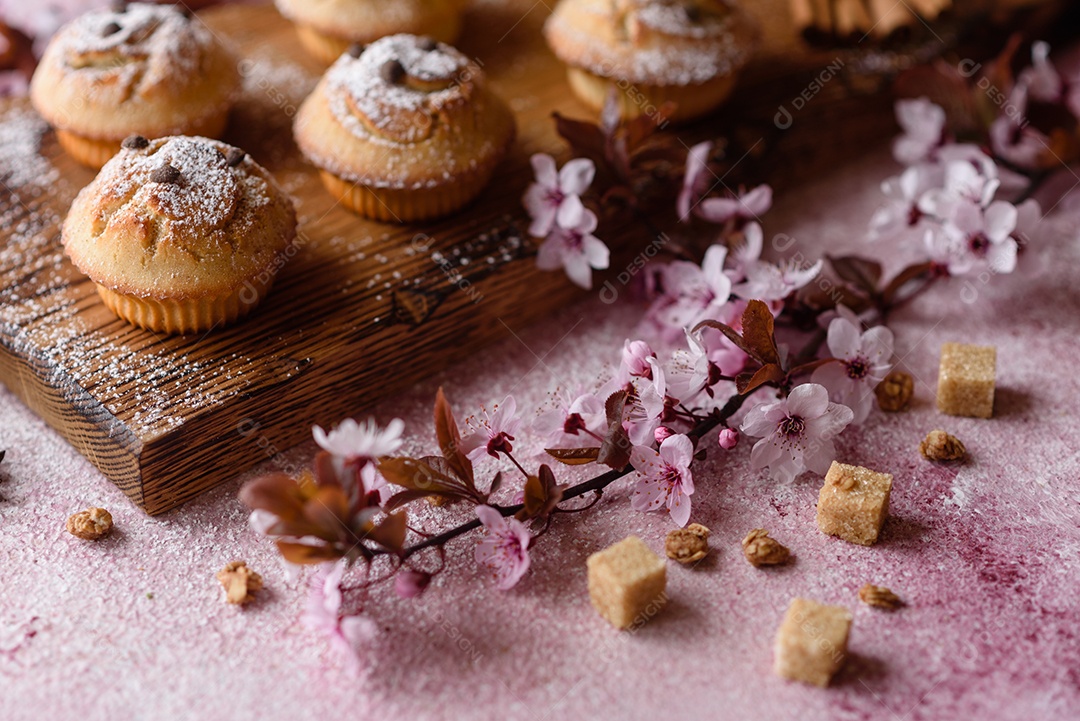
pixel 966 380
pixel 812 641
pixel 626 582
pixel 853 503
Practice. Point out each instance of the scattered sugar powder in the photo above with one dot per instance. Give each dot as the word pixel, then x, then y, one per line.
pixel 22 169
pixel 359 82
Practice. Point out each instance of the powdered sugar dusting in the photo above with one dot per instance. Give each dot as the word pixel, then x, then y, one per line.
pixel 359 82
pixel 660 43
pixel 21 165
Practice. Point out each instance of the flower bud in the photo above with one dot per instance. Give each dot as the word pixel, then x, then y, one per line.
pixel 410 584
pixel 729 438
pixel 662 433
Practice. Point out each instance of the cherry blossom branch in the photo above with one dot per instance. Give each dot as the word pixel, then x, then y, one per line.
pixel 597 484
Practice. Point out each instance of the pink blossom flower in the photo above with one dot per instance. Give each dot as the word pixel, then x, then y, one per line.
pixel 354 441
pixel 695 180
pixel 923 123
pixel 694 292
pixel 646 405
pixel 762 280
pixel 772 283
pixel 572 416
pixel 410 584
pixel 544 198
pixel 690 370
pixel 505 549
pixel 635 359
pixel 728 438
pixel 493 433
pixel 864 362
pixel 796 432
pixel 347 633
pixel 742 208
pixel 973 239
pixel 572 245
pixel 901 213
pixel 665 477
pixel 662 433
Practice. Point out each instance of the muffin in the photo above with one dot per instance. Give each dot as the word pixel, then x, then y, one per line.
pixel 146 69
pixel 404 130
pixel 328 27
pixel 651 52
pixel 180 234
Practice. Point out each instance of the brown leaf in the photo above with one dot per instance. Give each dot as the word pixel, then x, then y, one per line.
pixel 758 334
pixel 730 333
pixel 302 553
pixel 542 495
pixel 770 373
pixel 419 476
pixel 327 512
pixel 325 473
pixel 812 366
pixel 615 450
pixel 584 137
pixel 905 276
pixel 446 430
pixel 573 456
pixel 276 493
pixel 390 533
pixel 860 272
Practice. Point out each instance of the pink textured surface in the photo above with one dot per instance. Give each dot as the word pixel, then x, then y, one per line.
pixel 985 554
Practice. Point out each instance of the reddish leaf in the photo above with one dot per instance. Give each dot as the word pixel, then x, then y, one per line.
pixel 328 513
pixel 446 431
pixel 573 456
pixel 542 495
pixel 301 553
pixel 390 533
pixel 730 333
pixel 812 366
pixel 615 450
pixel 582 136
pixel 276 493
pixel 905 276
pixel 323 468
pixel 770 373
pixel 860 272
pixel 418 476
pixel 758 334
pixel 406 497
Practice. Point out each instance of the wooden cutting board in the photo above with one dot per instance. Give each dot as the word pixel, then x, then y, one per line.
pixel 361 311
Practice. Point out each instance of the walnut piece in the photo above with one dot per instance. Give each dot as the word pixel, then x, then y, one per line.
pixel 91 524
pixel 687 545
pixel 760 550
pixel 941 446
pixel 895 391
pixel 879 597
pixel 240 582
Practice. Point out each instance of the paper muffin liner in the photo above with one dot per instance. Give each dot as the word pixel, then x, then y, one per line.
pixel 392 205
pixel 328 48
pixel 693 101
pixel 324 48
pixel 196 315
pixel 95 152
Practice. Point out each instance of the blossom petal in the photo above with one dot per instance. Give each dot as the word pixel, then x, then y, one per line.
pixel 844 339
pixel 576 176
pixel 678 451
pixel 678 504
pixel 1000 220
pixel 544 169
pixel 808 401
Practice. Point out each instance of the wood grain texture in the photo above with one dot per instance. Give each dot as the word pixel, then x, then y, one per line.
pixel 363 309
